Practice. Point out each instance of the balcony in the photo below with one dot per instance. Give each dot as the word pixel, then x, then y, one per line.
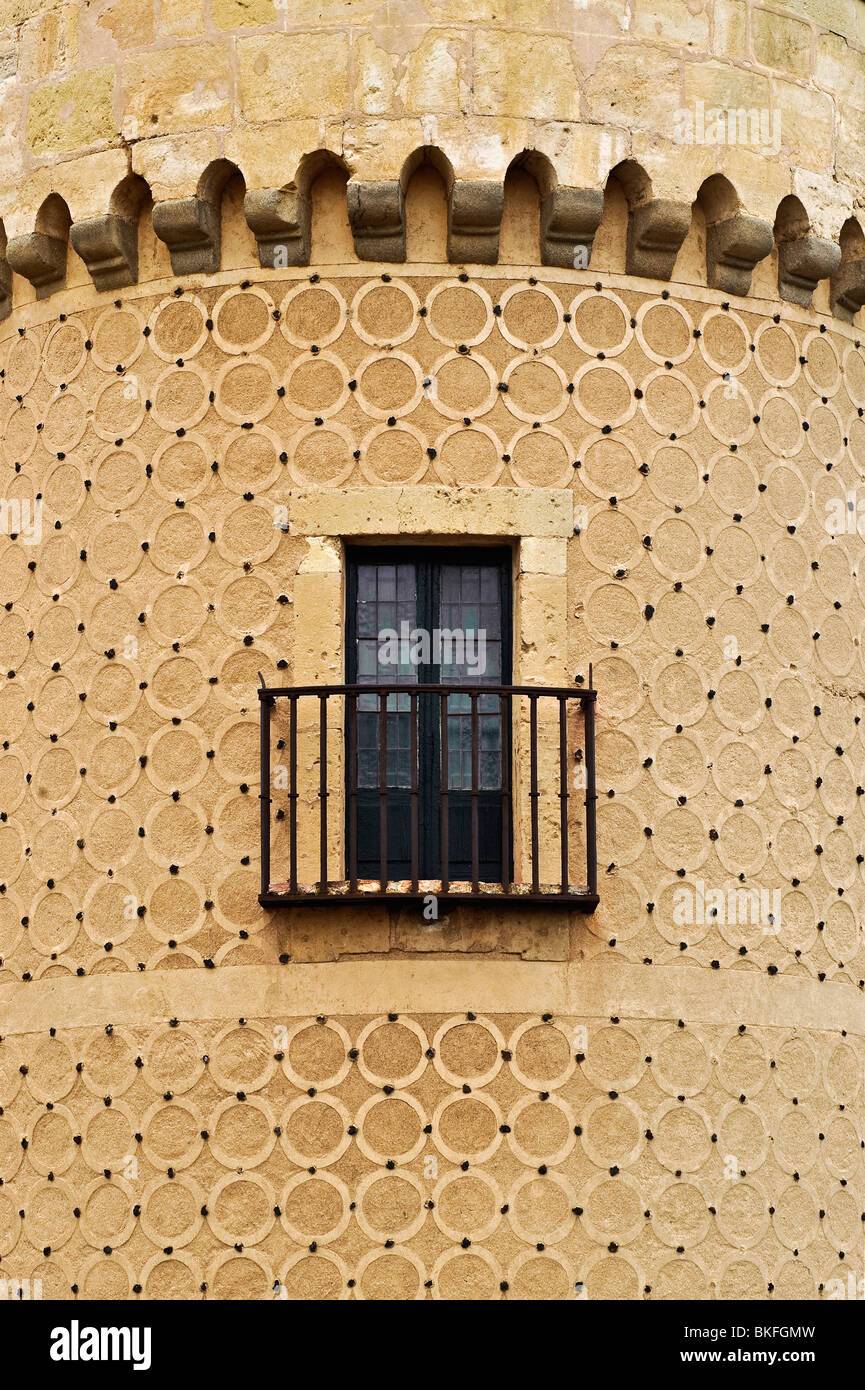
pixel 393 793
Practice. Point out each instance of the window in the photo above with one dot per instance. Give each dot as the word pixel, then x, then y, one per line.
pixel 415 618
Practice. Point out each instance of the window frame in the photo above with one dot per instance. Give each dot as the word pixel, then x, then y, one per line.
pixel 429 559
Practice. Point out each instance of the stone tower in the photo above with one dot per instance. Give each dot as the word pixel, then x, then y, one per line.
pixel 578 282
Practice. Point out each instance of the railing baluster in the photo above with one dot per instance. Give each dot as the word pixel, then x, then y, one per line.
pixel 563 787
pixel 292 792
pixel 414 794
pixel 475 795
pixel 352 793
pixel 382 792
pixel 506 708
pixel 444 794
pixel 535 892
pixel 264 771
pixel 591 794
pixel 322 790
pixel 533 790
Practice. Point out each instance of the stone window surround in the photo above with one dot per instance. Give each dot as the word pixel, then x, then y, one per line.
pixel 539 521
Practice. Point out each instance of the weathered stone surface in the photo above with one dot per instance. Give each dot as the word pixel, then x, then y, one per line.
pixel 802 263
pixel 376 212
pixel 847 290
pixel 474 221
pixel 289 75
pixel 40 258
pixel 180 89
pixel 655 232
pixel 190 228
pixel 569 219
pixel 280 220
pixel 73 112
pixel 733 248
pixel 109 248
pixel 525 74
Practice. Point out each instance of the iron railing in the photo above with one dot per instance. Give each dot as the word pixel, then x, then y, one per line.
pixel 323 814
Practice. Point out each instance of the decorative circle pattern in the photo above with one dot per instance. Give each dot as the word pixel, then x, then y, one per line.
pixel 718 581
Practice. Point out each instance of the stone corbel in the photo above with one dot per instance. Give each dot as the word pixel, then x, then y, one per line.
pixel 376 212
pixel 41 259
pixel 280 221
pixel 474 221
pixel 569 219
pixel 190 228
pixel 733 248
pixel 656 231
pixel 5 289
pixel 108 246
pixel 802 263
pixel 848 289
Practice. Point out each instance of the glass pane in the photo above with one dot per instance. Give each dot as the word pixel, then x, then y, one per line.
pixel 386 616
pixel 470 620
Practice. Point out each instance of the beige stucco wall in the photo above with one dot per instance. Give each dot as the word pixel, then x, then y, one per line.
pixel 619 1105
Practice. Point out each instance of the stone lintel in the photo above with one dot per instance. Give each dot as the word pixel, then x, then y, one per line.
pixel 423 510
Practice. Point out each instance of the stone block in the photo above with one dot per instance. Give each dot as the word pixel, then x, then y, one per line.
pixel 671 21
pixel 802 263
pixel 108 246
pixel 474 221
pixel 642 95
pixel 72 112
pixel 569 219
pixel 656 231
pixel 292 75
pixel 807 123
pixel 185 89
pixel 376 212
pixel 848 289
pixel 183 18
pixel 41 259
pixel 242 14
pixel 730 29
pixel 5 288
pixel 733 248
pixel 48 43
pixel 436 73
pixel 281 223
pixel 129 22
pixel 190 228
pixel 781 42
pixel 525 74
pixel 376 75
